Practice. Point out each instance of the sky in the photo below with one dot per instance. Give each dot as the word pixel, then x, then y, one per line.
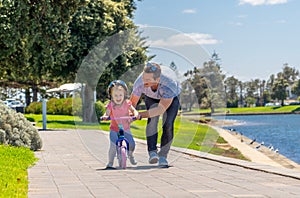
pixel 253 38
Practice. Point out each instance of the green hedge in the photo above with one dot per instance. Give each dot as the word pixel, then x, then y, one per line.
pixel 100 109
pixel 56 106
pixel 65 106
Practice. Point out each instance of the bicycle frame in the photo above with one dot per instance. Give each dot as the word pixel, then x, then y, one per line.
pixel 122 143
pixel 122 149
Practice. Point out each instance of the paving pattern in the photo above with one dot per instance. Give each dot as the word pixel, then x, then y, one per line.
pixel 72 164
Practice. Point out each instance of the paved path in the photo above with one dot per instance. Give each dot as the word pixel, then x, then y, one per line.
pixel 72 165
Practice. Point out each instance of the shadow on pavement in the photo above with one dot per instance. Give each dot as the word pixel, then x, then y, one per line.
pixel 134 168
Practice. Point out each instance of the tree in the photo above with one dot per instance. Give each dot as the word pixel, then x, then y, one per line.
pixel 231 85
pixel 34 36
pixel 105 46
pixel 187 96
pixel 279 89
pixel 291 75
pixel 296 88
pixel 241 96
pixel 262 97
pixel 208 84
pixel 44 42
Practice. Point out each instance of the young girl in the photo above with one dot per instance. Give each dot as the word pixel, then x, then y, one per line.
pixel 119 107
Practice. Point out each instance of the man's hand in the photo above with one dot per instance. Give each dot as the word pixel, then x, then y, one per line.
pixel 139 117
pixel 162 106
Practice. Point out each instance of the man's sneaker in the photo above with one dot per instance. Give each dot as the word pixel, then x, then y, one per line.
pixel 109 165
pixel 153 157
pixel 162 161
pixel 132 160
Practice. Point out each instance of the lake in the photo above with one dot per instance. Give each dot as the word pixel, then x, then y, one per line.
pixel 280 131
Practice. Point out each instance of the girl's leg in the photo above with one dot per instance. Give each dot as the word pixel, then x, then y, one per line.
pixel 131 141
pixel 131 148
pixel 113 136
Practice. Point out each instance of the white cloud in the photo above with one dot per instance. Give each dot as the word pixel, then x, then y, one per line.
pixel 262 2
pixel 189 11
pixel 143 25
pixel 281 21
pixel 185 39
pixel 242 16
pixel 236 23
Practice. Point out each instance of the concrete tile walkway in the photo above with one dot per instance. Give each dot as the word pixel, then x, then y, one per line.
pixel 72 165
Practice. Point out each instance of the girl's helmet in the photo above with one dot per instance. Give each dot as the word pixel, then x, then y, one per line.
pixel 116 83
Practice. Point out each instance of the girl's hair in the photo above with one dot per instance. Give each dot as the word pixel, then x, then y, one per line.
pixel 116 83
pixel 153 68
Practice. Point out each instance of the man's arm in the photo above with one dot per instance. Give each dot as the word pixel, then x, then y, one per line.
pixel 134 100
pixel 163 105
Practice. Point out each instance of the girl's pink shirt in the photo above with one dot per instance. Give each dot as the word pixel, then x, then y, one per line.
pixel 117 111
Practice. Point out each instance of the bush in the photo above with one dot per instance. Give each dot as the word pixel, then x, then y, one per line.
pixel 16 130
pixel 52 106
pixel 64 106
pixel 77 107
pixel 99 109
pixel 34 108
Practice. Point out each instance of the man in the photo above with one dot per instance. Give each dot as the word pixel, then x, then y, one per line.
pixel 161 92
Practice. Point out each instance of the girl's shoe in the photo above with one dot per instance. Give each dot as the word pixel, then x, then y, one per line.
pixel 132 160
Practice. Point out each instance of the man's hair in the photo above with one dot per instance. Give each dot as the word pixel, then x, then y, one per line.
pixel 153 68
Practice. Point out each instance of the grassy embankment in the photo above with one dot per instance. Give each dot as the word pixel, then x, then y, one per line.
pixel 251 110
pixel 13 170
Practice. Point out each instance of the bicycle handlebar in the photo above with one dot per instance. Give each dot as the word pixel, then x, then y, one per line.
pixel 133 118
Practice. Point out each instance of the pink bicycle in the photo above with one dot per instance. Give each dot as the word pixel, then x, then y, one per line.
pixel 122 143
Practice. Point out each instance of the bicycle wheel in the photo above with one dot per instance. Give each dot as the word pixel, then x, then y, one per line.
pixel 122 157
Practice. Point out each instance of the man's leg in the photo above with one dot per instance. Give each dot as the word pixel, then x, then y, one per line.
pixel 168 128
pixel 151 131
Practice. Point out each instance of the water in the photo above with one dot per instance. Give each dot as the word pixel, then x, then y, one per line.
pixel 280 131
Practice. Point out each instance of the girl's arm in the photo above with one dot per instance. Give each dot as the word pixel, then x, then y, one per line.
pixel 134 112
pixel 106 114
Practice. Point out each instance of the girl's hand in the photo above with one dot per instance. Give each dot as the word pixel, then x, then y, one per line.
pixel 104 118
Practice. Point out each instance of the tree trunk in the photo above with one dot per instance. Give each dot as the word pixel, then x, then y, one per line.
pixel 27 97
pixel 35 93
pixel 88 114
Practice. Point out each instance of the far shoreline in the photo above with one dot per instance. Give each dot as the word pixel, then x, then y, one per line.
pixel 238 114
pixel 276 157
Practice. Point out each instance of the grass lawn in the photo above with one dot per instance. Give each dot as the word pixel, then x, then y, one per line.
pixel 284 109
pixel 187 134
pixel 244 110
pixel 14 162
pixel 61 122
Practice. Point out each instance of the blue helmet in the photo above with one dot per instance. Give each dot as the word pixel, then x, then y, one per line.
pixel 116 83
